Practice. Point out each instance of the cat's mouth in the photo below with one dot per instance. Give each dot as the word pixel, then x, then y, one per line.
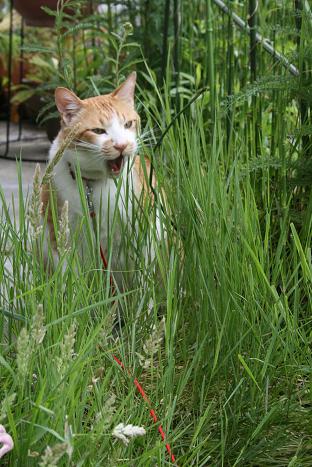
pixel 115 166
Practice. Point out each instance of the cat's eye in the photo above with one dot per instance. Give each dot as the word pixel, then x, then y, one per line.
pixel 99 131
pixel 128 124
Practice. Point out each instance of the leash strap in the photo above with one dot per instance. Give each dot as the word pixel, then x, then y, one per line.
pixel 90 203
pixel 152 411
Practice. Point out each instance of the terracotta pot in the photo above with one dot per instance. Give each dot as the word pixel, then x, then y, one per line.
pixel 31 11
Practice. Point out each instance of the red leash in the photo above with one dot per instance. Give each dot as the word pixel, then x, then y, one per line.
pixel 152 411
pixel 89 193
pixel 105 267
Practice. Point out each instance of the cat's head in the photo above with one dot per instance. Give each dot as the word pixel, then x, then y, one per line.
pixel 108 126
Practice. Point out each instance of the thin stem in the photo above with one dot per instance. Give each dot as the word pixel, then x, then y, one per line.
pixel 176 50
pixel 303 108
pixel 230 80
pixel 210 59
pixel 165 39
pixel 252 21
pixel 260 39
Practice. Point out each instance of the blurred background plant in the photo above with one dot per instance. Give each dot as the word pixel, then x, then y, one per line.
pixel 187 46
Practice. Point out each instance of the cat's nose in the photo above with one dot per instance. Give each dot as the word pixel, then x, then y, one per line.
pixel 120 147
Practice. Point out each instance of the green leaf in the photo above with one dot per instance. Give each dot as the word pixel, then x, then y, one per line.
pixel 248 370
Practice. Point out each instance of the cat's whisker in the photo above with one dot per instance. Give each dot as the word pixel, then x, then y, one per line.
pixel 86 144
pixel 149 134
pixel 92 151
pixel 146 140
pixel 143 144
pixel 85 148
pixel 153 132
pixel 143 137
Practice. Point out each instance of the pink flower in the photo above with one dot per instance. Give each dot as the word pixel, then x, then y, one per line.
pixel 6 441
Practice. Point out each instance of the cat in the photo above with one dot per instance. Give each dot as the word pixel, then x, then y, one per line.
pixel 105 150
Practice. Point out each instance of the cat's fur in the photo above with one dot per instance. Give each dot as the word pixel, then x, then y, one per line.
pixel 103 159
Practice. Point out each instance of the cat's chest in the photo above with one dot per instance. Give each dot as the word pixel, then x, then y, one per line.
pixel 109 199
pixel 113 208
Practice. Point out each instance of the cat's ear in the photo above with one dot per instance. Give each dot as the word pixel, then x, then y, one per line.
pixel 126 90
pixel 67 103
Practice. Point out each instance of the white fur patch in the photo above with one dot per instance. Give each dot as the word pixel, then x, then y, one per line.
pixel 118 134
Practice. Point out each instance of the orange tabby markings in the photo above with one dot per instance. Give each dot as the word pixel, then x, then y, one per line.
pixel 143 176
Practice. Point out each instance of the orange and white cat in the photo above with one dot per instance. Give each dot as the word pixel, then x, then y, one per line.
pixel 105 150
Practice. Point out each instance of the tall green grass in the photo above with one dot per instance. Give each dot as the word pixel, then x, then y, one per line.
pixel 231 379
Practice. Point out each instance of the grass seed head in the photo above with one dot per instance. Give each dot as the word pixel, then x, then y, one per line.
pixel 106 335
pixel 38 330
pixel 51 456
pixel 68 436
pixel 23 354
pixel 63 233
pixel 67 349
pixel 105 416
pixel 152 344
pixel 126 432
pixel 70 135
pixel 6 403
pixel 35 206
